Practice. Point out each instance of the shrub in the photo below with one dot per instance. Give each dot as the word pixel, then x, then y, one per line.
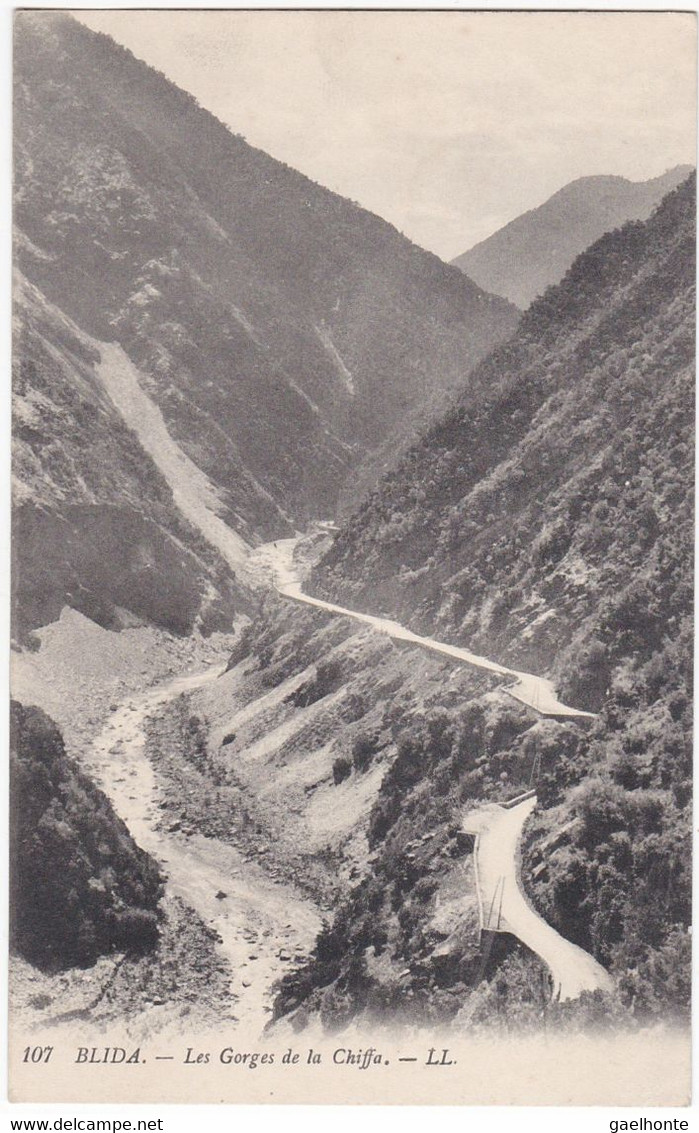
pixel 364 749
pixel 342 769
pixel 136 931
pixel 327 679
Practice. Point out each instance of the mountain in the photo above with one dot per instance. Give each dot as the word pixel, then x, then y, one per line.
pixel 210 350
pixel 534 251
pixel 549 527
pixel 95 525
pixel 568 448
pixel 283 331
pixel 80 886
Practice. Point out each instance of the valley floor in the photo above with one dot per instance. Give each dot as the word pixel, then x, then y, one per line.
pixel 103 688
pixel 260 923
pixel 91 681
pixel 262 920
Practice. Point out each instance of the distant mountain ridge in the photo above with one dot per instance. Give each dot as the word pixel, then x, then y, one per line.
pixel 536 249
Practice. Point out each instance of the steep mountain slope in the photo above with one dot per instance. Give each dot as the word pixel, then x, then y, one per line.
pixel 284 331
pixel 530 253
pixel 288 755
pixel 80 886
pixel 511 520
pixel 95 524
pixel 551 526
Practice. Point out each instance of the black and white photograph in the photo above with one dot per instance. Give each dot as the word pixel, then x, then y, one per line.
pixel 352 556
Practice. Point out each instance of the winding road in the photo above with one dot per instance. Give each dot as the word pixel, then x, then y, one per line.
pixel 505 908
pixel 199 867
pixel 198 500
pixel 277 561
pixel 502 901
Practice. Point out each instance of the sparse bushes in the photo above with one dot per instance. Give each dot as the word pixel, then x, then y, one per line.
pixel 587 674
pixel 195 745
pixel 241 649
pixel 136 931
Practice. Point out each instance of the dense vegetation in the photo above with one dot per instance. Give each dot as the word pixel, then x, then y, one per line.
pixel 551 526
pixel 515 521
pixel 234 282
pixel 79 885
pixel 406 939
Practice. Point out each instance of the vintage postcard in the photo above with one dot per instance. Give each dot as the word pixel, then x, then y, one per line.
pixel 351 720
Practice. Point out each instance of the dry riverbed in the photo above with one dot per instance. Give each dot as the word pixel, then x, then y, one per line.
pixel 229 930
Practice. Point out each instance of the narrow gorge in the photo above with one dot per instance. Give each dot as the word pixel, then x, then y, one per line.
pixel 352 605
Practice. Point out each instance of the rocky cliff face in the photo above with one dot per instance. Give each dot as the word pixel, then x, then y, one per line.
pixel 95 524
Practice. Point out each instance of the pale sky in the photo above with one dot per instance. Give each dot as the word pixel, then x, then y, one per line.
pixel 448 124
